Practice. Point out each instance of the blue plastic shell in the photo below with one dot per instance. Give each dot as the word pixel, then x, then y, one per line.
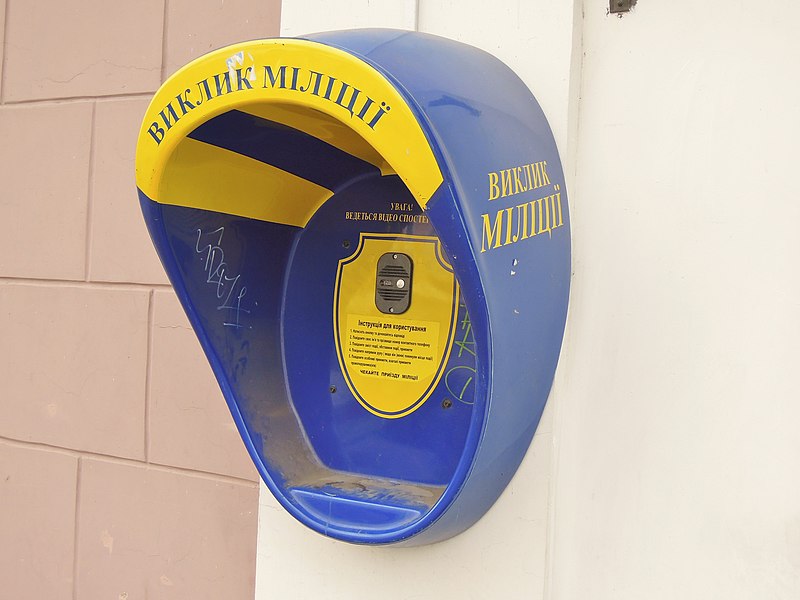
pixel 260 296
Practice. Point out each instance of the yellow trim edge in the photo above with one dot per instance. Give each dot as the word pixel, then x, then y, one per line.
pixel 283 72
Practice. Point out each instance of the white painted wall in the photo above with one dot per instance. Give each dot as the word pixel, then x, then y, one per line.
pixel 669 467
pixel 678 443
pixel 311 16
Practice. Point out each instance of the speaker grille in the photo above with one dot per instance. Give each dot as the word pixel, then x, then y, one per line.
pixel 393 283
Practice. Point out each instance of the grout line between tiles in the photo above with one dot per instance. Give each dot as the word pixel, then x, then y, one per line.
pixel 164 29
pixel 147 374
pixel 217 477
pixel 73 283
pixel 90 195
pixel 76 529
pixel 5 54
pixel 75 99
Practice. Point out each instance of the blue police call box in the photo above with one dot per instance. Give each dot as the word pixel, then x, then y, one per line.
pixel 369 233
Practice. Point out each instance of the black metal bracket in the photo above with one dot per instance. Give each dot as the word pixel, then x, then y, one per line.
pixel 620 6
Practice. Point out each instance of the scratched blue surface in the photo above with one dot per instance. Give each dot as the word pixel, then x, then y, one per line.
pixel 241 281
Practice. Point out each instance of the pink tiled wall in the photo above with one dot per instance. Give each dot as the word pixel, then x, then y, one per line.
pixel 121 473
